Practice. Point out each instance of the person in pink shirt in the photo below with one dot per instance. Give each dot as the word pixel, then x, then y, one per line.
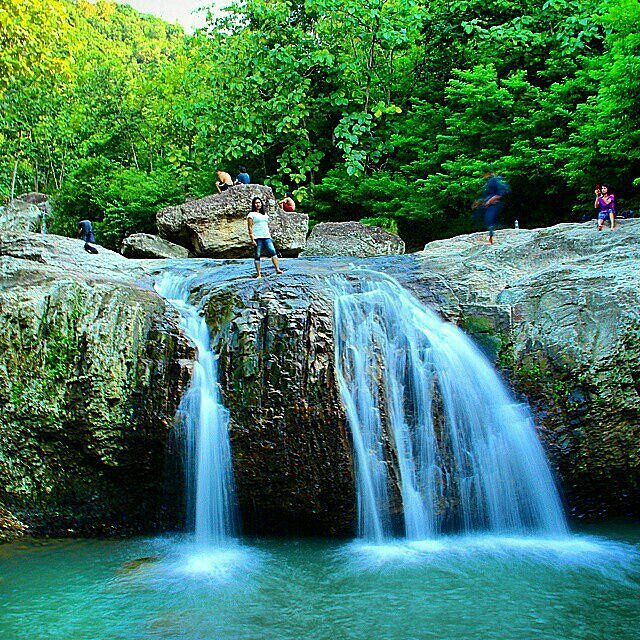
pixel 606 205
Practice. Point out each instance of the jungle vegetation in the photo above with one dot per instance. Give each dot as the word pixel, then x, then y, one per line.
pixel 382 110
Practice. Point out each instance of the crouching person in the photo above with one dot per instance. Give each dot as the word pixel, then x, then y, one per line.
pixel 85 231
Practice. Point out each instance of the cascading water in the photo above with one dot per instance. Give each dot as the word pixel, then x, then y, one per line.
pixel 417 391
pixel 210 487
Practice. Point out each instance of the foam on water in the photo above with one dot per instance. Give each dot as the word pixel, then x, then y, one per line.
pixel 182 561
pixel 612 559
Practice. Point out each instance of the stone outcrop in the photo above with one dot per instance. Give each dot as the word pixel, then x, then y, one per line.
pixel 20 216
pixel 560 309
pixel 216 226
pixel 146 246
pixel 90 379
pixel 352 239
pixel 291 449
pixel 291 445
pixel 35 197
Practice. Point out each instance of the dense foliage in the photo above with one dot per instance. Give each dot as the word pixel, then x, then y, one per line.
pixel 386 110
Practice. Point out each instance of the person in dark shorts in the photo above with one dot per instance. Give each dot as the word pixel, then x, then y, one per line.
pixel 243 177
pixel 86 233
pixel 258 224
pixel 606 205
pixel 224 181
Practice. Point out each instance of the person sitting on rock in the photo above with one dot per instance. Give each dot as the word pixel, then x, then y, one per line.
pixel 243 177
pixel 606 203
pixel 86 233
pixel 287 203
pixel 258 224
pixel 224 181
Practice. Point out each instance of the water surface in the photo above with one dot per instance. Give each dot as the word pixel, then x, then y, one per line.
pixel 584 586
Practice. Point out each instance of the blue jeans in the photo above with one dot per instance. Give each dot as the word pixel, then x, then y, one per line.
pixel 265 245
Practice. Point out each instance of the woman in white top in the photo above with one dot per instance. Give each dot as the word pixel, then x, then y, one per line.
pixel 258 223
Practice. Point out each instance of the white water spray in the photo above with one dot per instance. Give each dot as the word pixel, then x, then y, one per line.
pixel 419 393
pixel 210 488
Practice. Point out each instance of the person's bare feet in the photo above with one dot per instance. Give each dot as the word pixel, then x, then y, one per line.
pixel 258 275
pixel 279 271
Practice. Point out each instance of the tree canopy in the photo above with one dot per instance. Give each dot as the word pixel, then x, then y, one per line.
pixel 382 110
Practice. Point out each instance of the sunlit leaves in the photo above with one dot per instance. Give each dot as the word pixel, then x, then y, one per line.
pixel 27 30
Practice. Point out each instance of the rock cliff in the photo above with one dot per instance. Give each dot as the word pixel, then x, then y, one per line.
pixel 90 379
pixel 92 367
pixel 559 308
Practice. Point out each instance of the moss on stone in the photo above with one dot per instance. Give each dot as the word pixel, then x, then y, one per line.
pixel 82 417
pixel 485 334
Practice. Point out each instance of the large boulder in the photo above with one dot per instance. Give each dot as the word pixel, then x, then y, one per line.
pixel 216 226
pixel 145 245
pixel 20 216
pixel 90 379
pixel 352 239
pixel 34 197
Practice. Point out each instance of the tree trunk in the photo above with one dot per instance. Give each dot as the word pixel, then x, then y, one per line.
pixel 135 156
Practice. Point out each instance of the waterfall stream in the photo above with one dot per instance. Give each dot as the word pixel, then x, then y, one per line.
pixel 426 408
pixel 210 488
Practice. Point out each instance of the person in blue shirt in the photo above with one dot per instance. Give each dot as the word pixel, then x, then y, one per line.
pixel 243 177
pixel 85 231
pixel 495 189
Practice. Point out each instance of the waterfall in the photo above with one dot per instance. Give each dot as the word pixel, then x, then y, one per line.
pixel 210 489
pixel 426 409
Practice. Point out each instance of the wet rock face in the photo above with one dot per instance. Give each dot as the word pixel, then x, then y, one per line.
pixel 290 443
pixel 352 239
pixel 90 380
pixel 93 367
pixel 216 226
pixel 147 246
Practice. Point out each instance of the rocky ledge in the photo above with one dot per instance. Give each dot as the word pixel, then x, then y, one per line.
pixel 351 239
pixel 560 310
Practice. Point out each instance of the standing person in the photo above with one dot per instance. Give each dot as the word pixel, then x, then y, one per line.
pixel 606 202
pixel 288 203
pixel 224 181
pixel 495 188
pixel 85 231
pixel 243 177
pixel 258 224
